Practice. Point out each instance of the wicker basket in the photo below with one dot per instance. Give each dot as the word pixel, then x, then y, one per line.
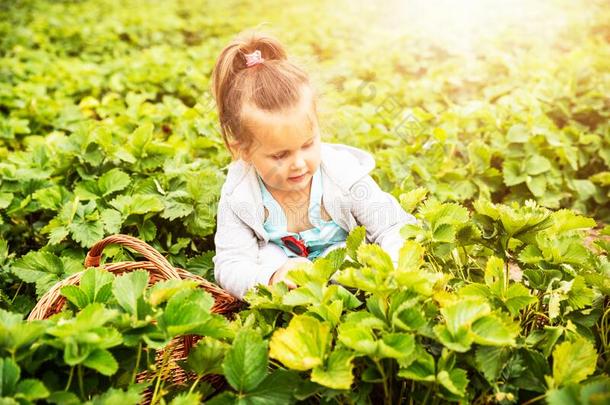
pixel 159 269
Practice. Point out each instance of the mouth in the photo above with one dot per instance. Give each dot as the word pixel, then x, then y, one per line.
pixel 297 178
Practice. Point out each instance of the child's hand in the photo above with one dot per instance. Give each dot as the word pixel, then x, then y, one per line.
pixel 280 274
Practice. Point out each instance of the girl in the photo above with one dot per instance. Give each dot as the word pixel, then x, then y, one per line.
pixel 288 197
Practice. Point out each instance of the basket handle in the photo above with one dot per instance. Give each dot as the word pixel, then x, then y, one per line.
pixel 95 252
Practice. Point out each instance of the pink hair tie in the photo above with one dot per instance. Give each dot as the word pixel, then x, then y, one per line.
pixel 254 58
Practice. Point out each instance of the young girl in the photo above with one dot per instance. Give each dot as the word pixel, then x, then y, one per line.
pixel 288 197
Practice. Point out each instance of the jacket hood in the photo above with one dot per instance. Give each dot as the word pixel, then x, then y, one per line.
pixel 343 164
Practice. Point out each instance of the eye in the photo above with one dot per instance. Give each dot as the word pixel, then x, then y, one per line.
pixel 308 144
pixel 279 156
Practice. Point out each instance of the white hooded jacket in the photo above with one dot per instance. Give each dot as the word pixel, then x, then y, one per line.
pixel 245 257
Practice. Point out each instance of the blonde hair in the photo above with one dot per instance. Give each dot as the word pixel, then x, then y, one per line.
pixel 273 85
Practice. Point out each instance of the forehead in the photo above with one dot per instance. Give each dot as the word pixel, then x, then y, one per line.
pixel 282 130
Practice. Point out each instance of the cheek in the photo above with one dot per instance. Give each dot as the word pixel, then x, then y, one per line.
pixel 274 172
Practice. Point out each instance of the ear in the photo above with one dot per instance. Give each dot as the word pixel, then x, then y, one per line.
pixel 238 151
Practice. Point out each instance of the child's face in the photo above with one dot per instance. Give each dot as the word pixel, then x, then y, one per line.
pixel 286 146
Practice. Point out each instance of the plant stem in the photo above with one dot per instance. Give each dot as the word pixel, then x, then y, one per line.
pixel 428 391
pixel 386 391
pixel 195 384
pixel 17 292
pixel 166 356
pixel 137 366
pixel 81 385
pixel 535 399
pixel 403 386
pixel 69 379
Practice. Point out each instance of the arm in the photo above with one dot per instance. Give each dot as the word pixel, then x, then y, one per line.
pixel 381 214
pixel 239 263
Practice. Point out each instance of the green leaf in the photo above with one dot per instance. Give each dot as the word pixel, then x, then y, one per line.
pixel 188 312
pixel 112 181
pixel 567 220
pixel 96 283
pixel 9 375
pixel 410 257
pixel 164 290
pixel 491 360
pixel 277 388
pixel 337 373
pixel 102 361
pixel 537 185
pixel 5 200
pixel 518 133
pixel 128 289
pixel 137 204
pixel 444 233
pixel 16 334
pixel 112 220
pixel 421 368
pixel 396 345
pixel 536 164
pixel 187 398
pixel 302 345
pixel 207 356
pixel 459 341
pixel 245 364
pixel 573 361
pixel 518 297
pixel 408 317
pixel 455 381
pixel 75 295
pixel 31 389
pixel 364 278
pixel 492 330
pixel 512 174
pixel 373 256
pixel 464 313
pixel 411 199
pixel 132 396
pixel 142 137
pixel 355 238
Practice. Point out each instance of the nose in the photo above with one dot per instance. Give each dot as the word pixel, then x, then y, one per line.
pixel 298 163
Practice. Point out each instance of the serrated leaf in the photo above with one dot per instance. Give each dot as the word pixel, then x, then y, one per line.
pixel 567 220
pixel 137 204
pixel 31 389
pixel 444 233
pixel 207 356
pixel 188 312
pixel 518 133
pixel 455 381
pixel 355 238
pixel 102 361
pixel 128 289
pixel 9 375
pixel 112 181
pixel 245 363
pixel 112 220
pixel 302 345
pixel 491 360
pixel 164 290
pixel 372 255
pixel 410 256
pixel 536 164
pixel 411 199
pixel 337 372
pixel 75 295
pixel 5 200
pixel 492 330
pixel 573 361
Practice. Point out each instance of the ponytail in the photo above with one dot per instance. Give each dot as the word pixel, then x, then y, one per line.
pixel 273 85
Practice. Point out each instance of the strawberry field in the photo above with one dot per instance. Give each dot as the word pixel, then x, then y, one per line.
pixel 489 121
